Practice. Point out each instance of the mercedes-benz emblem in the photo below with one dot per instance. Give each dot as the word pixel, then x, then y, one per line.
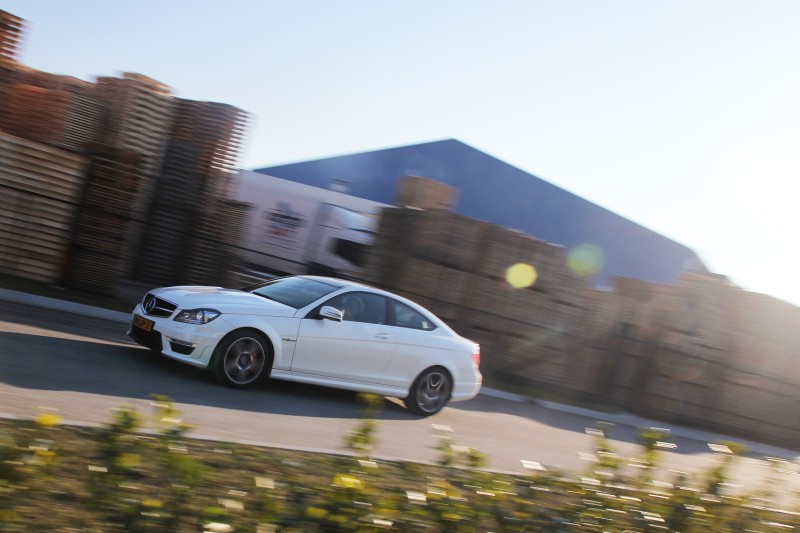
pixel 149 304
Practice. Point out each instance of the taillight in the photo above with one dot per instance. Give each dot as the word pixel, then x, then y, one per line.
pixel 476 355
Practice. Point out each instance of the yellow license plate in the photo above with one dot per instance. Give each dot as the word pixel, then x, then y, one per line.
pixel 143 323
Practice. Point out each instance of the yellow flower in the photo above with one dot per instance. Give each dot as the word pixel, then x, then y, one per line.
pixel 42 456
pixel 316 513
pixel 129 460
pixel 48 419
pixel 347 482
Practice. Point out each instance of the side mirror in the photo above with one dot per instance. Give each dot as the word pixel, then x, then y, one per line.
pixel 330 313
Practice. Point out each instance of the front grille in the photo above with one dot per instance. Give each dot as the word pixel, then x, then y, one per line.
pixel 155 306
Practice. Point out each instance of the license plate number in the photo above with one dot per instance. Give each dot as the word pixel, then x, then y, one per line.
pixel 143 323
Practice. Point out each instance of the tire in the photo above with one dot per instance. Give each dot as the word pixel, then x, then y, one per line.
pixel 430 392
pixel 241 359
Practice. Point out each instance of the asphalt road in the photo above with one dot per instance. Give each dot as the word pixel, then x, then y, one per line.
pixel 84 367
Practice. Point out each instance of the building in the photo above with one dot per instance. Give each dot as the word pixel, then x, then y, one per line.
pixel 494 191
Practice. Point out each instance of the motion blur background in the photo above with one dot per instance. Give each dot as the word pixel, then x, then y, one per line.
pixel 680 118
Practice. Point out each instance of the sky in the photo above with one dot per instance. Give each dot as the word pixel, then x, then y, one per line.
pixel 680 115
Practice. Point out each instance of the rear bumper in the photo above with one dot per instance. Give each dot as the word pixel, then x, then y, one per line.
pixel 466 391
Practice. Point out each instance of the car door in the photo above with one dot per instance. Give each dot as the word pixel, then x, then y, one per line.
pixel 415 344
pixel 359 348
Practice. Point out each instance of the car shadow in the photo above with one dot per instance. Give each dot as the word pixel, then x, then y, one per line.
pixel 126 370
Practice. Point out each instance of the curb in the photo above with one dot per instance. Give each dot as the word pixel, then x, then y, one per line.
pixel 635 421
pixel 63 305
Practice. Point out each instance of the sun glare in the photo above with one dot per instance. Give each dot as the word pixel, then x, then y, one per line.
pixel 586 259
pixel 521 275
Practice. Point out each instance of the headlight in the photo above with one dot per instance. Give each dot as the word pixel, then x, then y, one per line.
pixel 197 316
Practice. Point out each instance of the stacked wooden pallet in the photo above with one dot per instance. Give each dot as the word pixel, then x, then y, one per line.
pixel 458 268
pixel 101 251
pixel 8 77
pixel 83 123
pixel 214 254
pixel 36 113
pixel 40 187
pixel 698 352
pixel 638 337
pixel 11 28
pixel 424 193
pixel 139 119
pixel 54 82
pixel 218 131
pixel 762 379
pixel 53 117
pixel 171 218
pixel 187 222
pixel 51 109
pixel 69 113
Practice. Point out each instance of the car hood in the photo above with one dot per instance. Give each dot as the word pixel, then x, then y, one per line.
pixel 223 300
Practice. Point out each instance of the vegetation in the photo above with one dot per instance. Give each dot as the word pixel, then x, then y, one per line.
pixel 141 473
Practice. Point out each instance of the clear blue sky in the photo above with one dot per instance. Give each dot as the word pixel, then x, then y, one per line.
pixel 682 115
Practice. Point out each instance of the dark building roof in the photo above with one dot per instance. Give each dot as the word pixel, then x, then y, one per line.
pixel 494 191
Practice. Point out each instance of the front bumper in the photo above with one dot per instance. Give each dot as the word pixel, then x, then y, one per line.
pixel 189 343
pixel 148 339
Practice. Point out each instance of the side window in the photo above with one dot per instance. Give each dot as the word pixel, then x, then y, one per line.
pixel 405 317
pixel 361 307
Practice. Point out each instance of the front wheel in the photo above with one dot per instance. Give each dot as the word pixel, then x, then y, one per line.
pixel 430 392
pixel 241 358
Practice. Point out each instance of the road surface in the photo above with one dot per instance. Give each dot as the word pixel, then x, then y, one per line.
pixel 84 367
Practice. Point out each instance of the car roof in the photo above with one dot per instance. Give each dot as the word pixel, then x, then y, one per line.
pixel 348 284
pixel 341 283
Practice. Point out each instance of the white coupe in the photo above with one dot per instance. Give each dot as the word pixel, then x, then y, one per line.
pixel 316 330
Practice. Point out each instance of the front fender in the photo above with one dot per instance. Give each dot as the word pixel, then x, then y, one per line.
pixel 281 332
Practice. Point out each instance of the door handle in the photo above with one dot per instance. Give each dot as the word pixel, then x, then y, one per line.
pixel 382 336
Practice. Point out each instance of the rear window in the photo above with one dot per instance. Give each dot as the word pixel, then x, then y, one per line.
pixel 295 292
pixel 405 317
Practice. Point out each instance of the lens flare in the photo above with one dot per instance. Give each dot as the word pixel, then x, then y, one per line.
pixel 586 259
pixel 521 275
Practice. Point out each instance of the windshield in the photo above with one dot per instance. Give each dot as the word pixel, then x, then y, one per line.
pixel 295 292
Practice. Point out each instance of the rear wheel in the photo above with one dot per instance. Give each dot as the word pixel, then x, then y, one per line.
pixel 430 392
pixel 241 359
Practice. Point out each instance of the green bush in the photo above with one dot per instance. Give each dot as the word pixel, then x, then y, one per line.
pixel 143 474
